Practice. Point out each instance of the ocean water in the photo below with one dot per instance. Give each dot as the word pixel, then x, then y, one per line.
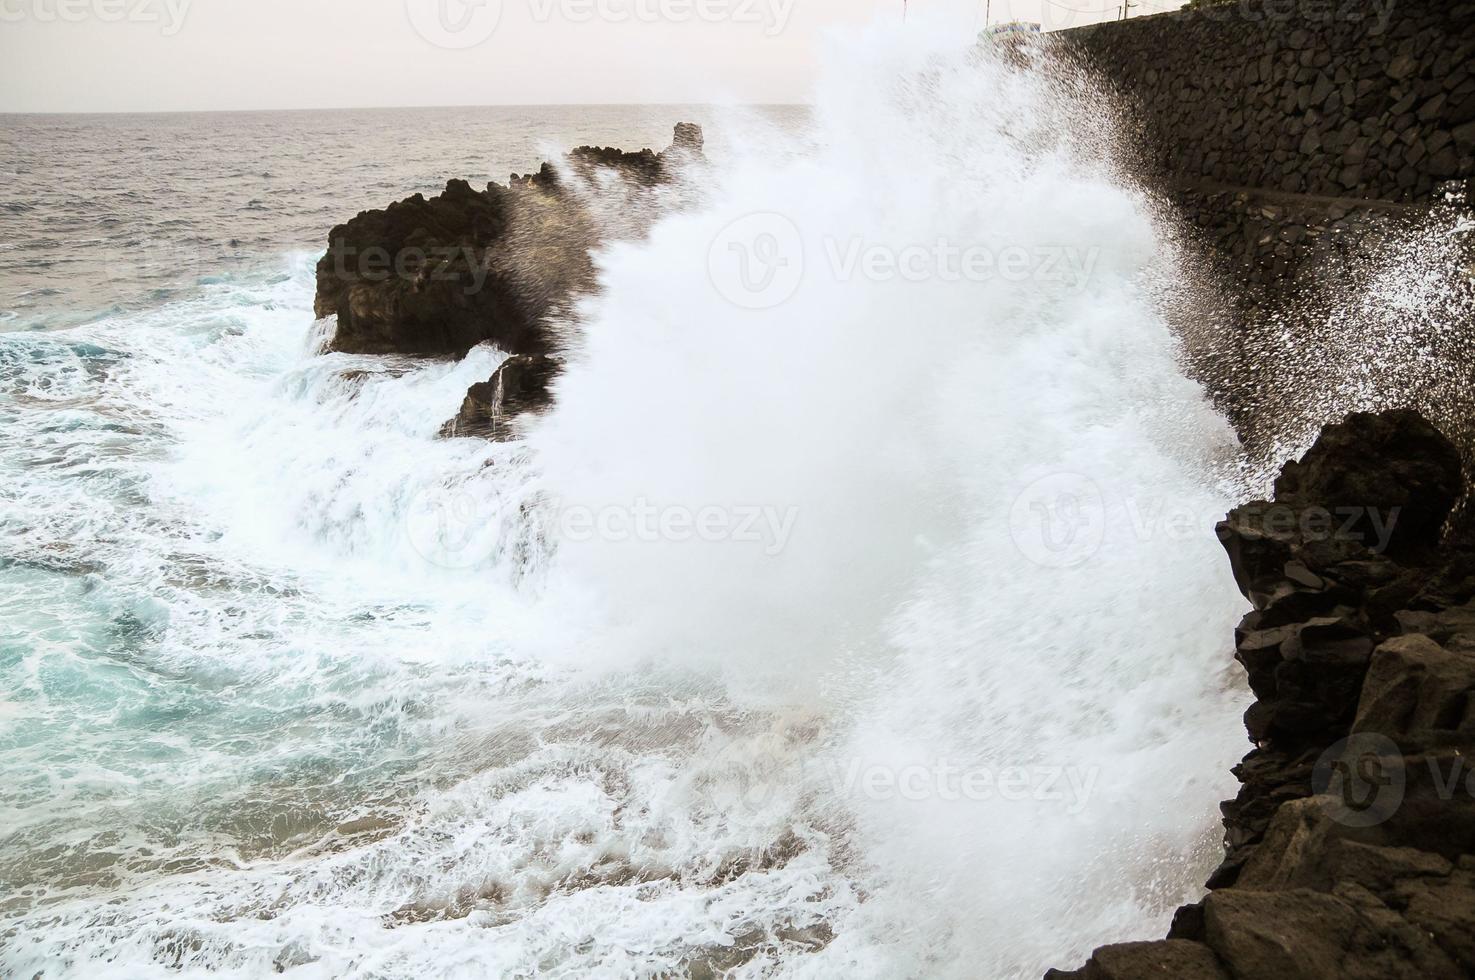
pixel 123 213
pixel 288 685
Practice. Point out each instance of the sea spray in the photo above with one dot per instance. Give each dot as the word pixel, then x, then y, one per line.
pixel 313 691
pixel 1002 562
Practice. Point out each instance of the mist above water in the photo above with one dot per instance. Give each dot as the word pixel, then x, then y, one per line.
pixel 962 707
pixel 1002 489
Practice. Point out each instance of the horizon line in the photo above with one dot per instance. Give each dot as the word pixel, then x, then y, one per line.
pixel 384 108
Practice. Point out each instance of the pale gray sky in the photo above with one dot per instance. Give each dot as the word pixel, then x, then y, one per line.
pixel 157 55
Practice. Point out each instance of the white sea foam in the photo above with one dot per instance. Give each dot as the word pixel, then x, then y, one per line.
pixel 297 686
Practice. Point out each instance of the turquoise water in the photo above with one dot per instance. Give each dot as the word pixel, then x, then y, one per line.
pixel 288 685
pixel 238 694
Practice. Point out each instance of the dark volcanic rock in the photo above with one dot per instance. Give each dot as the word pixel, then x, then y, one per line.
pixel 439 276
pixel 1373 488
pixel 1348 848
pixel 422 277
pixel 1173 959
pixel 1395 463
pixel 687 138
pixel 520 385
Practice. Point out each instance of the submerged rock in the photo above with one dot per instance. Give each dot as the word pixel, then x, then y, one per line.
pixel 1348 848
pixel 520 385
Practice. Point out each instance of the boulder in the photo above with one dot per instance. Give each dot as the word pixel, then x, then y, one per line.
pixel 1301 934
pixel 687 138
pixel 1399 474
pixel 520 385
pixel 1169 959
pixel 1416 689
pixel 1372 487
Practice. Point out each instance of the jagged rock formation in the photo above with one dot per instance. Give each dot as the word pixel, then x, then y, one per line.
pixel 424 277
pixel 520 385
pixel 1351 845
pixel 642 167
pixel 439 276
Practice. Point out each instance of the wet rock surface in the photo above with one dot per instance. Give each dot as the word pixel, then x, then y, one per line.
pixel 520 385
pixel 422 276
pixel 437 276
pixel 1350 849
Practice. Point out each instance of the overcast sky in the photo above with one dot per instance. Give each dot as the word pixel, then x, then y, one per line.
pixel 155 55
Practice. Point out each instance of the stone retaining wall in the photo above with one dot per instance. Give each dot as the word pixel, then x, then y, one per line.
pixel 1325 97
pixel 1290 135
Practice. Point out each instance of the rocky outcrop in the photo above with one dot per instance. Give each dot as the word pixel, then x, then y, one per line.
pixel 423 276
pixel 441 275
pixel 1351 844
pixel 520 385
